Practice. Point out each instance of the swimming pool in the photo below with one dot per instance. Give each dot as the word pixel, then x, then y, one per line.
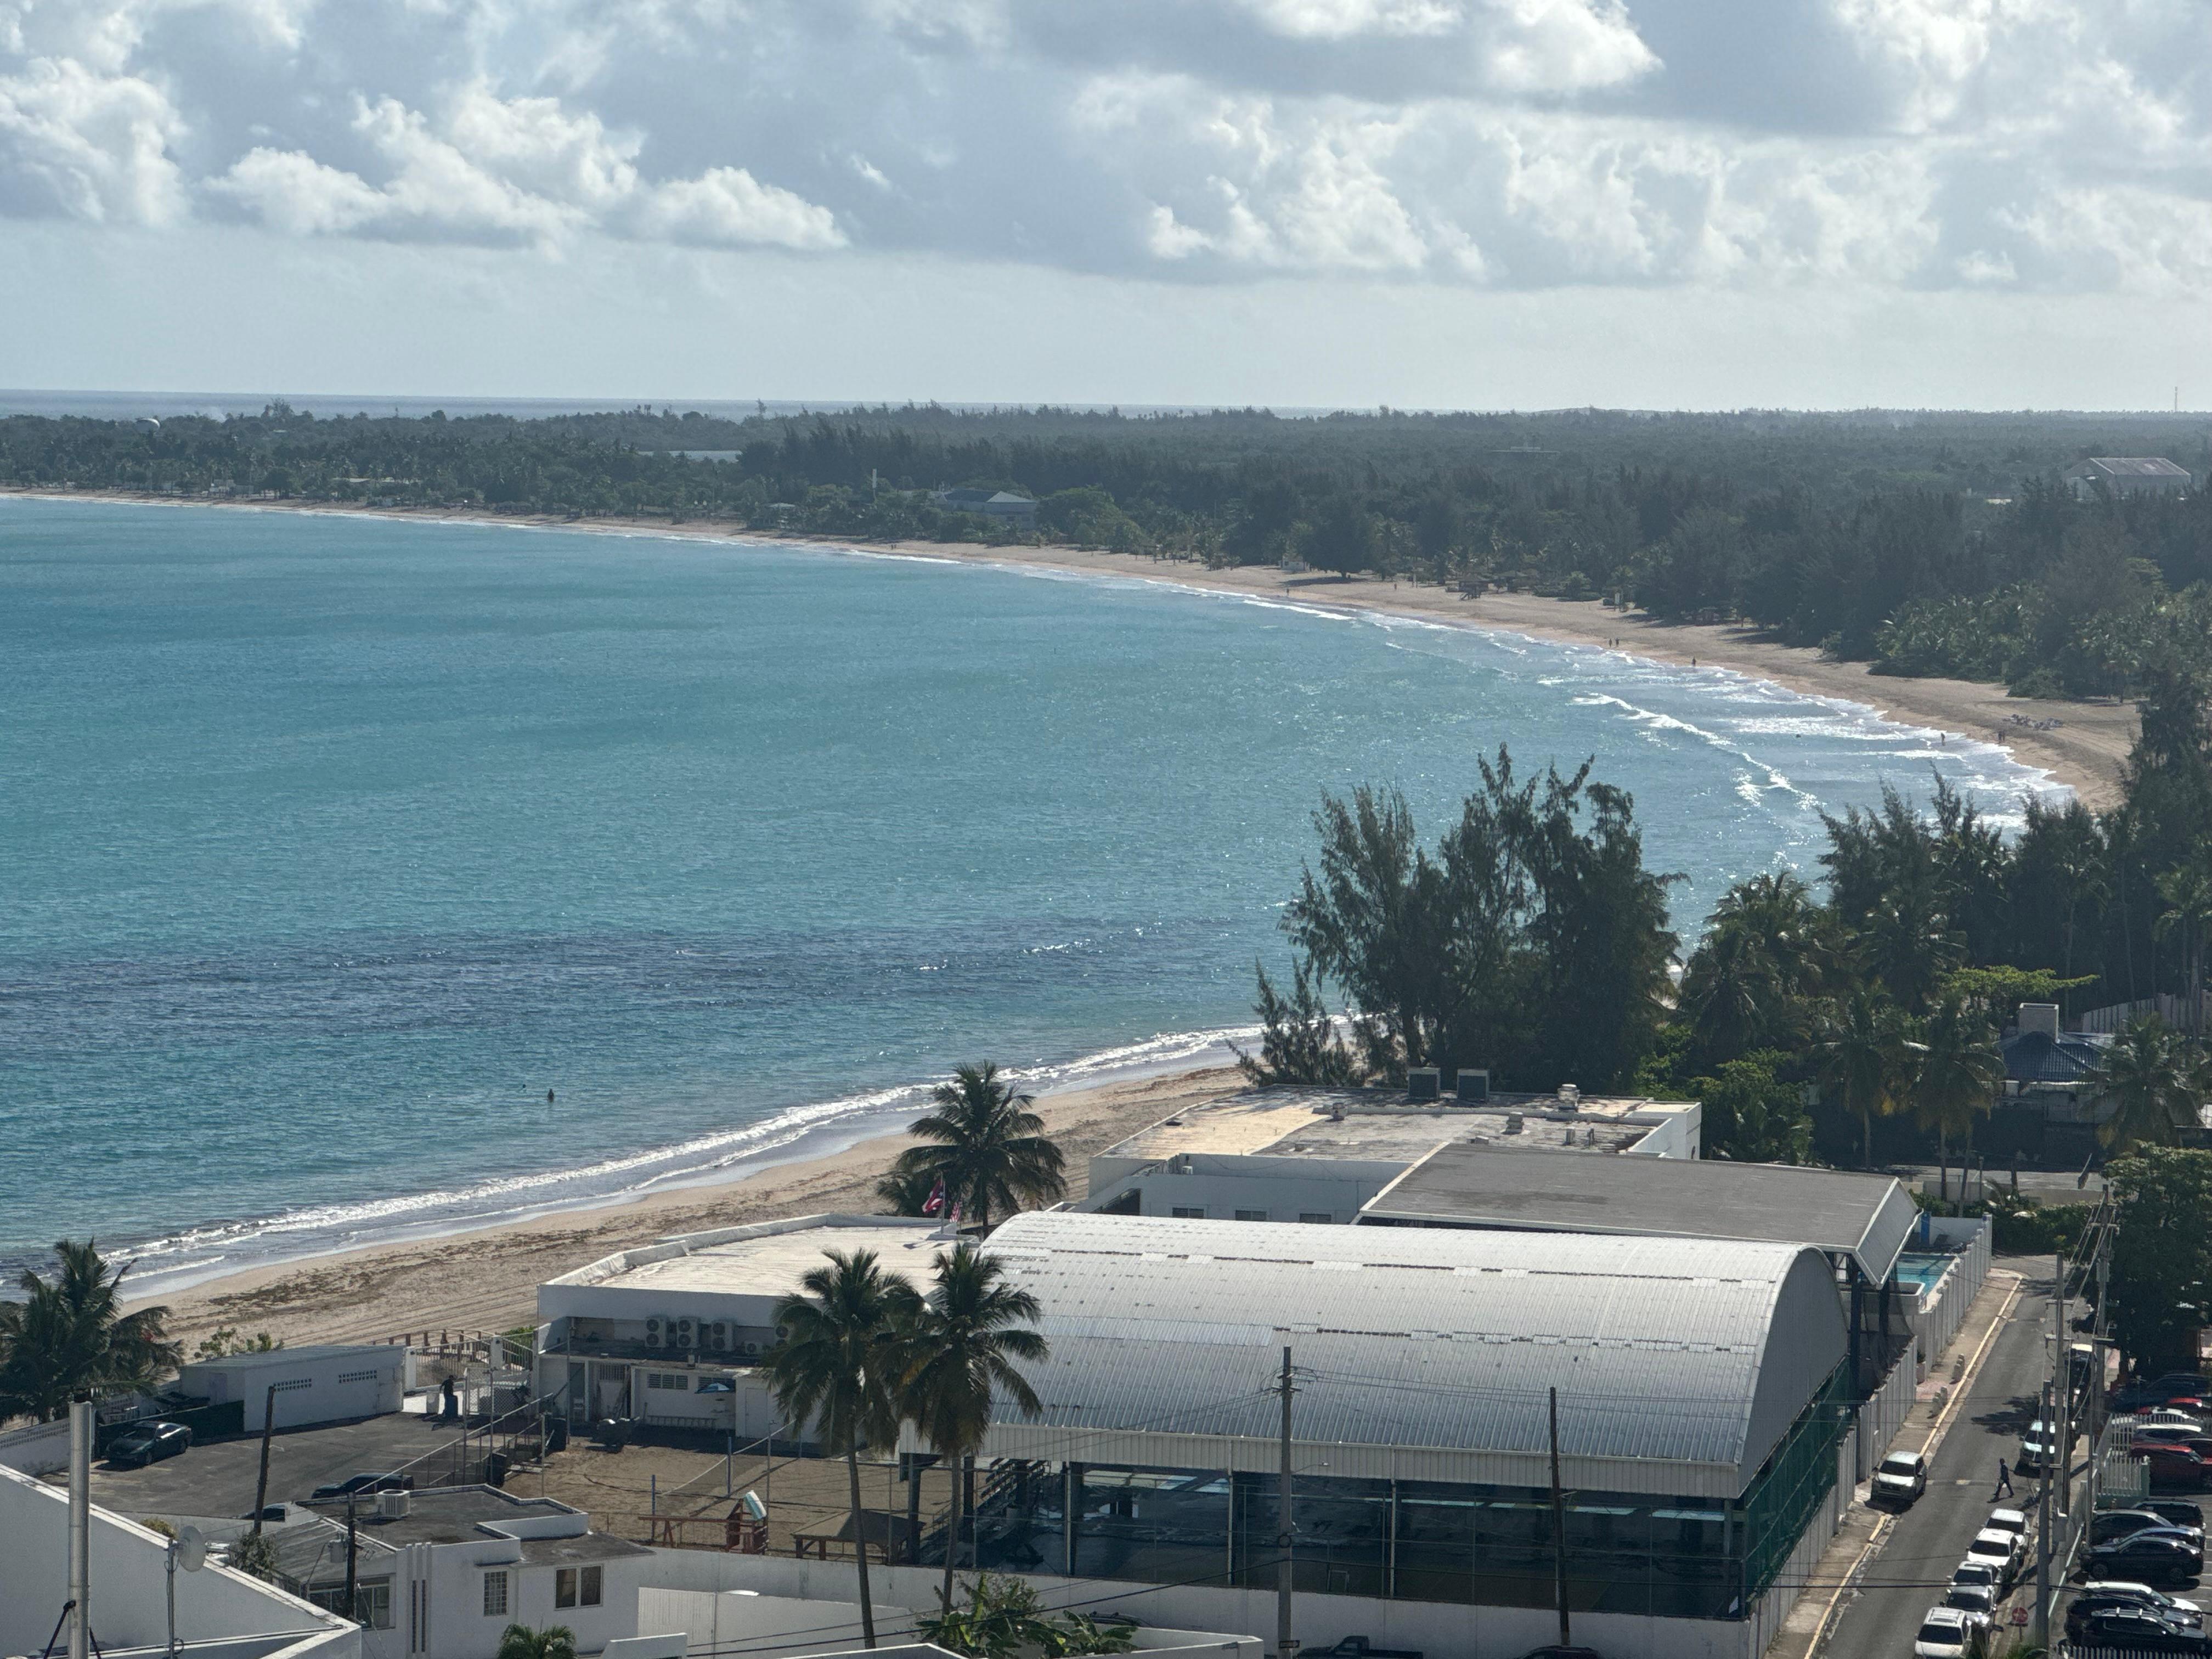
pixel 1925 1269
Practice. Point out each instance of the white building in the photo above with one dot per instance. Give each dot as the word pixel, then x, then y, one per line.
pixel 440 1573
pixel 671 1334
pixel 314 1384
pixel 2126 475
pixel 1318 1155
pixel 219 1612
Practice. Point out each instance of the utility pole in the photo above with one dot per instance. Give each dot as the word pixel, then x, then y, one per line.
pixel 353 1557
pixel 2063 1381
pixel 1558 1530
pixel 1286 1645
pixel 2042 1626
pixel 81 1422
pixel 268 1428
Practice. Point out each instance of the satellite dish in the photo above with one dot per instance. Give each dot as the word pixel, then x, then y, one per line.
pixel 192 1548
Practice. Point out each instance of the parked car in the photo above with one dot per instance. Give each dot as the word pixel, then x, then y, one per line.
pixel 1972 1598
pixel 1951 1633
pixel 2169 1434
pixel 2177 1512
pixel 2174 1385
pixel 2113 1524
pixel 1978 1572
pixel 2142 1593
pixel 2165 1417
pixel 2138 1630
pixel 2000 1550
pixel 2037 1447
pixel 2092 1598
pixel 2011 1521
pixel 2152 1558
pixel 363 1485
pixel 147 1442
pixel 1901 1478
pixel 2173 1467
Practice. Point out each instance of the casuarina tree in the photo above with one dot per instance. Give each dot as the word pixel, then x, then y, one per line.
pixel 836 1369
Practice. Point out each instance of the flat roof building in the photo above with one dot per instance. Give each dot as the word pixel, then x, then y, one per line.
pixel 2126 475
pixel 1317 1154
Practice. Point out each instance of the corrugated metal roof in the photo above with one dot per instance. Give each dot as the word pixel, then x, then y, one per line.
pixel 2133 467
pixel 2039 1057
pixel 1679 1361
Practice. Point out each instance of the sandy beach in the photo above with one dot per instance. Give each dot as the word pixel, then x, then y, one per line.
pixel 488 1281
pixel 2086 751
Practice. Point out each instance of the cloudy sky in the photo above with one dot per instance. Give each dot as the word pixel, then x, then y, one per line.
pixel 1458 203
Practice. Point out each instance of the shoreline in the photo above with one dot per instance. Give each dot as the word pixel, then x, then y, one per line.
pixel 486 1278
pixel 2088 753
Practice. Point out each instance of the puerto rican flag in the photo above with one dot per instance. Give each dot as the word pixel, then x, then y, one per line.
pixel 935 1203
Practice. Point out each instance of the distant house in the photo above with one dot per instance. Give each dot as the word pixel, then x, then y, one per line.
pixel 2051 1105
pixel 2126 475
pixel 994 504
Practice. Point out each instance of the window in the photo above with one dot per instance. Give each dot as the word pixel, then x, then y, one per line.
pixel 372 1601
pixel 1317 1218
pixel 574 1587
pixel 494 1595
pixel 1188 1212
pixel 668 1382
pixel 1251 1215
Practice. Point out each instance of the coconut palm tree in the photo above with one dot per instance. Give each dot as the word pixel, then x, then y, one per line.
pixel 2147 1076
pixel 70 1334
pixel 1961 1070
pixel 1864 1050
pixel 520 1642
pixel 2187 890
pixel 990 1150
pixel 906 1193
pixel 836 1366
pixel 971 1331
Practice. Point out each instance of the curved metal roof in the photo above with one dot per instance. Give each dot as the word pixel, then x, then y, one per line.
pixel 1419 1353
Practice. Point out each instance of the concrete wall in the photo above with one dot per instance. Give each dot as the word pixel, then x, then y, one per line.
pixel 758 1623
pixel 129 1580
pixel 38 1450
pixel 328 1387
pixel 1221 1185
pixel 1883 1414
pixel 1439 1630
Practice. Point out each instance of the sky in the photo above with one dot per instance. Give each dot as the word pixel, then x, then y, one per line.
pixel 1464 203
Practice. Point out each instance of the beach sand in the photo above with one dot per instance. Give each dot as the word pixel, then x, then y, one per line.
pixel 2087 752
pixel 487 1280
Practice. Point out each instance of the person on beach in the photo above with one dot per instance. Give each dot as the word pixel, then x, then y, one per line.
pixel 2004 1481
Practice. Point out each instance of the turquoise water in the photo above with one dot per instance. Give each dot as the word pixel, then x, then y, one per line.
pixel 1914 1268
pixel 332 844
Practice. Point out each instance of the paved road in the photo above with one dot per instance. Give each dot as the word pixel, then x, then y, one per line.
pixel 1905 1579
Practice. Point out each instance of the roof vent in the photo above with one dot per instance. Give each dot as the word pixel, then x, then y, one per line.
pixel 1422 1083
pixel 2039 1017
pixel 1571 1098
pixel 1513 1123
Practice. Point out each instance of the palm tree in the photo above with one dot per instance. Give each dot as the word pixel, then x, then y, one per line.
pixel 971 1330
pixel 520 1642
pixel 1864 1050
pixel 906 1193
pixel 2187 890
pixel 836 1364
pixel 2146 1076
pixel 991 1152
pixel 1961 1068
pixel 68 1335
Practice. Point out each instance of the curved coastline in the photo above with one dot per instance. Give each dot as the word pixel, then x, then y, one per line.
pixel 312 1282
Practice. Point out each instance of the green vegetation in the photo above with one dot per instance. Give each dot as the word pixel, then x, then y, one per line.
pixel 1928 544
pixel 521 1641
pixel 70 1335
pixel 2162 1257
pixel 1003 1619
pixel 225 1341
pixel 990 1151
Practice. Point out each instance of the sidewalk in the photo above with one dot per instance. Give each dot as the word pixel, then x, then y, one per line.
pixel 1865 1529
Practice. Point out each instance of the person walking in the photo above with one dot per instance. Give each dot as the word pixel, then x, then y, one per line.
pixel 2004 1481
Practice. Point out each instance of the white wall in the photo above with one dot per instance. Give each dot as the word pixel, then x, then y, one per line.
pixel 452 1577
pixel 711 1619
pixel 1440 1629
pixel 129 1579
pixel 331 1386
pixel 38 1450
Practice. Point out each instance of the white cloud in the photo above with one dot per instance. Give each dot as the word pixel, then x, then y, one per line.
pixel 727 207
pixel 94 146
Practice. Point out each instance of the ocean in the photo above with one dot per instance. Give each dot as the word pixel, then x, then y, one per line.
pixel 366 879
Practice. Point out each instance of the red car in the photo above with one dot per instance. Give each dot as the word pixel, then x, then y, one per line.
pixel 2171 1467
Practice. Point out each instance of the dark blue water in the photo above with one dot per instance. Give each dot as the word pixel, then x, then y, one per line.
pixel 330 845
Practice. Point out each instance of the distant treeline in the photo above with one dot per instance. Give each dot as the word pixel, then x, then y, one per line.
pixel 1928 544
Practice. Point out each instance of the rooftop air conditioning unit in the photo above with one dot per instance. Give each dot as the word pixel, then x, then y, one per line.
pixel 718 1336
pixel 393 1505
pixel 684 1334
pixel 1473 1085
pixel 1571 1098
pixel 1422 1083
pixel 656 1332
pixel 752 1347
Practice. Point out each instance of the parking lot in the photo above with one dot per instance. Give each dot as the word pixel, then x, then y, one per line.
pixel 219 1479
